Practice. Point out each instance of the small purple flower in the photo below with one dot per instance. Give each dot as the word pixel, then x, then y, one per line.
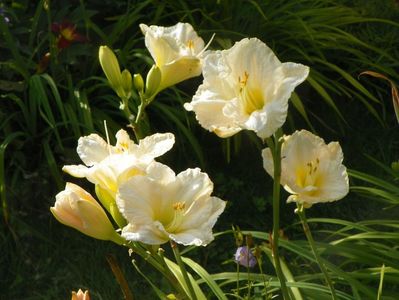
pixel 245 257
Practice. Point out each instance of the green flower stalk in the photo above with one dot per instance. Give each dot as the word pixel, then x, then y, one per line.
pixel 312 172
pixel 301 213
pixel 275 147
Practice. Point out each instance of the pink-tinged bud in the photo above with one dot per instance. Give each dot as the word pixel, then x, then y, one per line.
pixel 76 208
pixel 80 295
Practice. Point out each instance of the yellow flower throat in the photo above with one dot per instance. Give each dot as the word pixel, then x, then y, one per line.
pixel 179 210
pixel 251 97
pixel 308 176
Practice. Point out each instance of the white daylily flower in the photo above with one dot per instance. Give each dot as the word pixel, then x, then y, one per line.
pixel 108 166
pixel 311 170
pixel 76 208
pixel 161 206
pixel 245 87
pixel 176 51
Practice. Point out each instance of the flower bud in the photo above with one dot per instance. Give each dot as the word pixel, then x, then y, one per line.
pixel 127 83
pixel 76 208
pixel 153 81
pixel 138 82
pixel 109 64
pixel 80 295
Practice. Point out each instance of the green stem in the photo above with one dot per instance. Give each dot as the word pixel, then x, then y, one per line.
pixel 183 270
pixel 301 213
pixel 276 152
pixel 249 280
pixel 238 279
pixel 136 123
pixel 157 264
pixel 259 261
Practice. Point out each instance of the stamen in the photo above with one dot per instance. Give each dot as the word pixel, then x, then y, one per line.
pixel 207 45
pixel 245 79
pixel 107 136
pixel 123 146
pixel 179 208
pixel 190 44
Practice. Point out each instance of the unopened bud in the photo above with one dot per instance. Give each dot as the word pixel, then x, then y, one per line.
pixel 153 81
pixel 76 208
pixel 127 83
pixel 109 64
pixel 138 82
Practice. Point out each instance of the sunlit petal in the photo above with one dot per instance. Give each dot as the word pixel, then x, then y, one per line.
pixel 250 88
pixel 311 170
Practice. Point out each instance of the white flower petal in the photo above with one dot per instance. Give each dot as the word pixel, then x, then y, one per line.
pixel 92 149
pixel 79 171
pixel 268 161
pixel 138 200
pixel 148 234
pixel 191 237
pixel 193 185
pixel 210 116
pixel 155 145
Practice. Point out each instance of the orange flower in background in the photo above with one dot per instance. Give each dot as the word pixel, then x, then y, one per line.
pixel 66 34
pixel 80 295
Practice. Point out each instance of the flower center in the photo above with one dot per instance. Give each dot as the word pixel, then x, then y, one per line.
pixel 189 49
pixel 190 44
pixel 309 176
pixel 179 210
pixel 68 33
pixel 251 97
pixel 122 147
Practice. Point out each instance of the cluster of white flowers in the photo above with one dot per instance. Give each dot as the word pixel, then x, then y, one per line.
pixel 157 204
pixel 244 87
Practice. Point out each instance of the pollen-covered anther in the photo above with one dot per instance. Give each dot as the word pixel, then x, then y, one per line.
pixel 243 81
pixel 313 166
pixel 179 206
pixel 123 146
pixel 190 44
